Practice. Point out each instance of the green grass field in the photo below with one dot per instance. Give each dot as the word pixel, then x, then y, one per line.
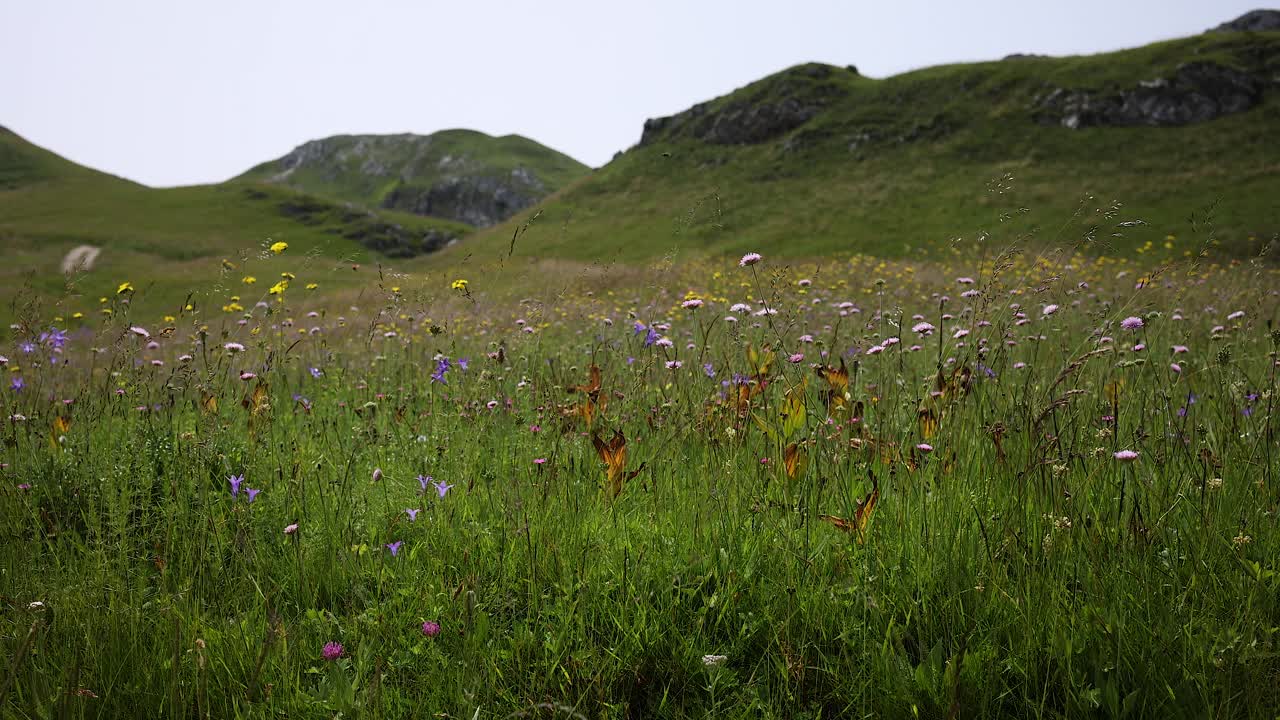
pixel 432 503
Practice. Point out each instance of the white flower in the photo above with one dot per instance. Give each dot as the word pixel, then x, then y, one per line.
pixel 714 660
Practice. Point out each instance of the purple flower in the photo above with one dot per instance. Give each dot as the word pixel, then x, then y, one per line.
pixel 464 363
pixel 1126 456
pixel 235 481
pixel 651 337
pixel 316 372
pixel 332 651
pixel 412 513
pixel 924 448
pixel 750 258
pixel 1131 323
pixel 424 481
pixel 27 348
pixel 17 384
pixel 442 488
pixel 709 370
pixel 430 629
pixel 252 493
pixel 442 367
pixel 395 547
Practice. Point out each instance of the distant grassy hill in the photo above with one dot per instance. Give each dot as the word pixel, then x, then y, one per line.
pixel 462 175
pixel 819 159
pixel 175 239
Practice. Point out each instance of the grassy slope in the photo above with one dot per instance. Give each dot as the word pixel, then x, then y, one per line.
pixel 419 157
pixel 170 239
pixel 898 198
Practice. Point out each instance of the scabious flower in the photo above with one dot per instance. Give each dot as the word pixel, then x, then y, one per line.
pixel 1049 310
pixel 739 308
pixel 795 358
pixel 924 447
pixel 923 328
pixel 692 304
pixel 1126 456
pixel 332 651
pixel 750 259
pixel 1131 323
pixel 674 364
pixel 234 347
pixel 1236 315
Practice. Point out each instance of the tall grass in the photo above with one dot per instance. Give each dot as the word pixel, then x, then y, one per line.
pixel 950 535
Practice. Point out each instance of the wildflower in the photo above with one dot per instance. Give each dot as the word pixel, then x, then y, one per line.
pixel 1236 315
pixel 442 488
pixel 246 375
pixel 1179 349
pixel 664 343
pixel 691 304
pixel 279 288
pixel 316 373
pixel 714 660
pixel 395 547
pixel 377 474
pixel 235 481
pixel 233 347
pixel 312 286
pixel 960 333
pixel 965 280
pixel 1126 456
pixel 750 259
pixel 459 284
pixel 248 279
pixel 1175 367
pixel 922 328
pixel 1049 310
pixel 1214 483
pixel 17 384
pixel 674 364
pixel 424 481
pixel 709 369
pixel 279 247
pixel 1241 540
pixel 291 528
pixel 332 651
pixel 740 308
pixel 924 448
pixel 125 287
pixel 1131 323
pixel 795 358
pixel 539 461
pixel 430 629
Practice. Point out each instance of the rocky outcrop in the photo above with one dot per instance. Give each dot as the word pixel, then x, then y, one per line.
pixel 1254 21
pixel 1198 92
pixel 364 227
pixel 480 201
pixel 772 108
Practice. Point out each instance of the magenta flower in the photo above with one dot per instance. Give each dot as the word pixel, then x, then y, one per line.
pixel 430 629
pixel 795 358
pixel 1126 456
pixel 924 448
pixel 539 461
pixel 332 651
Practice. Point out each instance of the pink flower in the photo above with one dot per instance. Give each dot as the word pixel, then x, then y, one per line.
pixel 922 328
pixel 691 304
pixel 430 629
pixel 924 448
pixel 1049 310
pixel 1178 349
pixel 539 461
pixel 750 259
pixel 332 651
pixel 1126 456
pixel 795 358
pixel 1175 367
pixel 1131 323
pixel 291 529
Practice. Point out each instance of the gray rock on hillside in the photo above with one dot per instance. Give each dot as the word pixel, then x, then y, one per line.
pixel 1253 21
pixel 1197 92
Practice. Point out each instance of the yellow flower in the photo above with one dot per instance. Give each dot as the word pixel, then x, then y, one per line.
pixel 77 316
pixel 228 264
pixel 459 284
pixel 312 286
pixel 288 276
pixel 125 287
pixel 279 247
pixel 279 288
pixel 249 280
pixel 169 318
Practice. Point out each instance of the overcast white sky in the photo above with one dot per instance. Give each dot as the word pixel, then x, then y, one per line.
pixel 178 91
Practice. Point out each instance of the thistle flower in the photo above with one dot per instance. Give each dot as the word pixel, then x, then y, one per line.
pixel 332 651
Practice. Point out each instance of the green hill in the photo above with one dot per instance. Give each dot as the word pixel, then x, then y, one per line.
pixel 819 159
pixel 174 240
pixel 462 175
